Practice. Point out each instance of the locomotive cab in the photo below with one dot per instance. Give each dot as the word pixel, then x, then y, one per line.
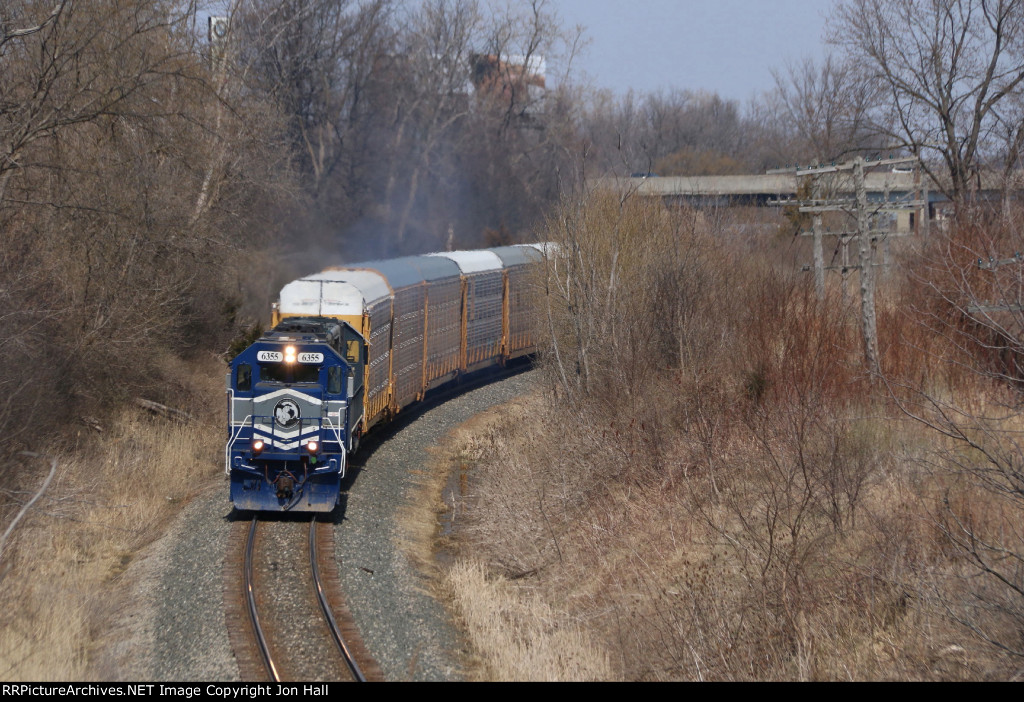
pixel 295 407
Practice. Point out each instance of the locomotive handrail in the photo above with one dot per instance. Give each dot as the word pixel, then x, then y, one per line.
pixel 269 426
pixel 337 435
pixel 231 444
pixel 335 429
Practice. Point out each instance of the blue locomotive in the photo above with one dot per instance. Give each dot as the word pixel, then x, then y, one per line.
pixel 292 396
pixel 350 348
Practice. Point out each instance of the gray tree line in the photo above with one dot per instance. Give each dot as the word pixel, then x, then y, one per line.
pixel 157 186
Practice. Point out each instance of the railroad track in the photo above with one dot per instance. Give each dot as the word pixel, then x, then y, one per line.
pixel 277 638
pixel 288 613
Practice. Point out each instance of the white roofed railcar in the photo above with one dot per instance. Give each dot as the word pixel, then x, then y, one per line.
pixel 484 275
pixel 426 318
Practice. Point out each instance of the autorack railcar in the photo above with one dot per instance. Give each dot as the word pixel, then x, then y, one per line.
pixel 350 348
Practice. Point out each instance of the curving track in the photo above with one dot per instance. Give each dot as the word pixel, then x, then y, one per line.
pixel 298 637
pixel 300 640
pixel 325 606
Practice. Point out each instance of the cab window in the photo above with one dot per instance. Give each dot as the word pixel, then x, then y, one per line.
pixel 334 380
pixel 352 351
pixel 289 373
pixel 243 377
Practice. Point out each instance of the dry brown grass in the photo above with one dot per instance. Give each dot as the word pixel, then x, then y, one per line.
pixel 114 493
pixel 518 635
pixel 514 635
pixel 709 487
pixel 421 519
pixel 670 581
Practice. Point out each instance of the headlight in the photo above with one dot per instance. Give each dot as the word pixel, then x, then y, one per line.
pixel 257 447
pixel 312 447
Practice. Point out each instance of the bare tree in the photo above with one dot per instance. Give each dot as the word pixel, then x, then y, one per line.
pixel 518 43
pixel 396 133
pixel 825 107
pixel 1009 135
pixel 106 261
pixel 946 66
pixel 316 59
pixel 683 132
pixel 433 99
pixel 43 49
pixel 610 125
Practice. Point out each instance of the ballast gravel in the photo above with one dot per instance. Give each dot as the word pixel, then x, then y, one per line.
pixel 170 622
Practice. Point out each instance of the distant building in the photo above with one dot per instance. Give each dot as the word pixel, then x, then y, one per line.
pixel 518 81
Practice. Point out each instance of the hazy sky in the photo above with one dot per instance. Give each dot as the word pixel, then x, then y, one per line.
pixel 727 46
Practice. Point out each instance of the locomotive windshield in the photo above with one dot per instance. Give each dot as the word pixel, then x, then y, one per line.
pixel 289 373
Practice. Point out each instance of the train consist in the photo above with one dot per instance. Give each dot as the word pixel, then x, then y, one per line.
pixel 350 347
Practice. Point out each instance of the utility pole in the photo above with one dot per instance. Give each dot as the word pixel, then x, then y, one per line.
pixel 865 245
pixel 863 232
pixel 819 254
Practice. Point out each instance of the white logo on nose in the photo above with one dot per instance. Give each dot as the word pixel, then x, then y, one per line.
pixel 286 413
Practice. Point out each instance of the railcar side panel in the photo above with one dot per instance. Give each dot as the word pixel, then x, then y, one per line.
pixel 520 302
pixel 444 324
pixel 521 311
pixel 407 345
pixel 483 317
pixel 378 376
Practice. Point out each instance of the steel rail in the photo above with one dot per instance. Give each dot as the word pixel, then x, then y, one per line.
pixel 326 608
pixel 434 399
pixel 261 641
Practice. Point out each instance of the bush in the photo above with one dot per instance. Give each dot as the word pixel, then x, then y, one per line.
pixel 714 487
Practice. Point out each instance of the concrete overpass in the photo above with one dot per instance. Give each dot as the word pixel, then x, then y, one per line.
pixel 732 190
pixel 889 185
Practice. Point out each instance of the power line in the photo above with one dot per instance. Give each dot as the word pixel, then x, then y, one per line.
pixel 863 233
